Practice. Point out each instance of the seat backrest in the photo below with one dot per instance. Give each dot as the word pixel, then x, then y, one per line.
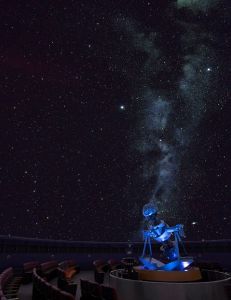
pixel 5 276
pixel 84 287
pixel 30 265
pixel 71 263
pixel 114 264
pixel 55 292
pixel 98 263
pixel 49 265
pixel 94 289
pixel 108 293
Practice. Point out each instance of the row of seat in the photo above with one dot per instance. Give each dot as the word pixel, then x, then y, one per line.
pixel 43 290
pixel 101 267
pixel 49 269
pixel 109 265
pixel 94 291
pixel 9 285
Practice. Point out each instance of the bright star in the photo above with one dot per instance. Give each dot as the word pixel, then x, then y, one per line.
pixel 122 107
pixel 209 69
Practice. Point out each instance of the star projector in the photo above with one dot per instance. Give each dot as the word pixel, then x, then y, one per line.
pixel 169 237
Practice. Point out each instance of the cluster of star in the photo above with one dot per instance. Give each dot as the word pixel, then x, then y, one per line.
pixel 95 113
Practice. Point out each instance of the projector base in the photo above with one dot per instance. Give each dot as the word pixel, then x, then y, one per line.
pixel 193 274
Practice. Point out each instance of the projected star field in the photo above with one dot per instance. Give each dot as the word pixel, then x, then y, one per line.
pixel 107 106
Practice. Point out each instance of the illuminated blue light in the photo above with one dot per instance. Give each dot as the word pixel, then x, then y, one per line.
pixel 148 265
pixel 149 210
pixel 171 253
pixel 173 265
pixel 185 264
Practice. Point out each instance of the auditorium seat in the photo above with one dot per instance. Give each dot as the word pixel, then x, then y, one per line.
pixel 62 282
pixel 49 269
pixel 66 271
pixel 108 293
pixel 66 285
pixel 85 293
pixel 99 276
pixel 94 290
pixel 114 264
pixel 98 262
pixel 100 268
pixel 101 265
pixel 68 263
pixel 9 284
pixel 28 269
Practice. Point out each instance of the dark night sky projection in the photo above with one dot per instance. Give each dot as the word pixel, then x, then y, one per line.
pixel 107 105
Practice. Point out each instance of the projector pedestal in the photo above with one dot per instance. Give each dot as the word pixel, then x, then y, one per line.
pixel 192 274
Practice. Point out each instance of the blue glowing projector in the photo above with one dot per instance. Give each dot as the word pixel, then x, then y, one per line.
pixel 169 238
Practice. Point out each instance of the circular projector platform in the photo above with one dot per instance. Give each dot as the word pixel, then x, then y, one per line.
pixel 193 274
pixel 212 286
